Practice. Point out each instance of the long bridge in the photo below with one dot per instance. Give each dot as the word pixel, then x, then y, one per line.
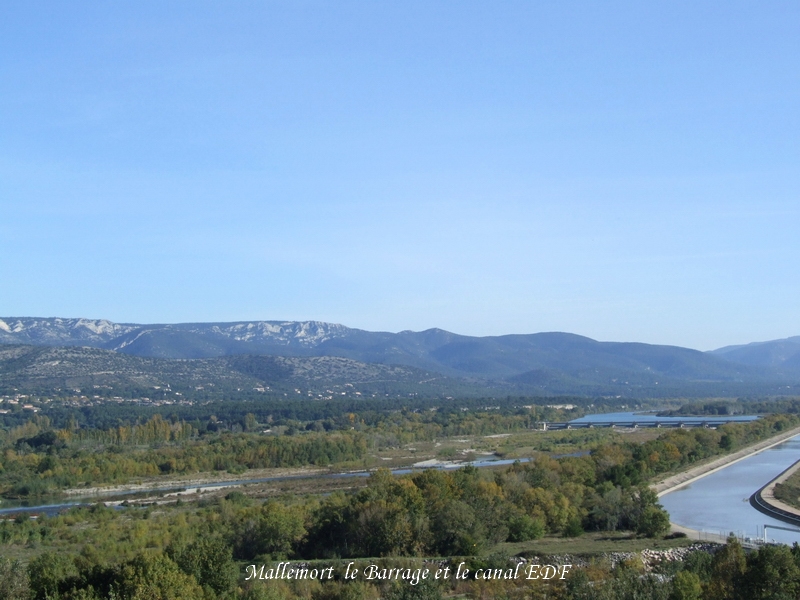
pixel 666 423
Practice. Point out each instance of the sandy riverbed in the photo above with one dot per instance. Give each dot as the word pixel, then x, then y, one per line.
pixel 191 481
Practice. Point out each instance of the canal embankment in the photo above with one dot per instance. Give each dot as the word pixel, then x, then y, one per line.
pixel 764 500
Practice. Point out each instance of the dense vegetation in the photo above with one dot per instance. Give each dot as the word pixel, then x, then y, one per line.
pixel 430 513
pixel 228 414
pixel 191 551
pixel 770 573
pixel 789 490
pixel 52 460
pixel 742 406
pixel 204 570
pixel 38 459
pixel 197 550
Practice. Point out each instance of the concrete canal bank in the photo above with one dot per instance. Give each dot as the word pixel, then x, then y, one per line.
pixel 764 500
pixel 713 500
pixel 686 477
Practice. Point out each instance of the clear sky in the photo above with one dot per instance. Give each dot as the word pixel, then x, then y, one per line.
pixel 629 171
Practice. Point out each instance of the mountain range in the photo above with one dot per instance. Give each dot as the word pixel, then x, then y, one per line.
pixel 541 363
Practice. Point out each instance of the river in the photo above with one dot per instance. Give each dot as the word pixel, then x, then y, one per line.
pixel 55 504
pixel 717 503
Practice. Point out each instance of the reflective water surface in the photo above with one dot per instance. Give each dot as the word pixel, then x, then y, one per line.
pixel 718 503
pixel 51 505
pixel 715 504
pixel 649 417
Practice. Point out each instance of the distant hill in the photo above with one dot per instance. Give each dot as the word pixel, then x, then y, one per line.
pixel 540 363
pixel 185 340
pixel 781 355
pixel 69 371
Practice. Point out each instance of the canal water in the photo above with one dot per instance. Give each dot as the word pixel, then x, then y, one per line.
pixel 719 503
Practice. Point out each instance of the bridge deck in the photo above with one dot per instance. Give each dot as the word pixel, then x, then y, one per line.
pixel 635 424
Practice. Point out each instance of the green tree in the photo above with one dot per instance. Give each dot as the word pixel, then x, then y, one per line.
pixel 457 530
pixel 272 529
pixel 771 573
pixel 210 561
pixel 250 423
pixel 573 528
pixel 13 580
pixel 699 563
pixel 653 522
pixel 49 573
pixel 629 584
pixel 607 510
pixel 349 590
pixel 727 568
pixel 522 528
pixel 580 587
pixel 388 517
pixel 648 517
pixel 155 577
pixel 686 586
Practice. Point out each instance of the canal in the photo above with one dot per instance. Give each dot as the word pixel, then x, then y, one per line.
pixel 719 503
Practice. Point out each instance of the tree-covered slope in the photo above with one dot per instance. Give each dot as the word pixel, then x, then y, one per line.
pixel 447 363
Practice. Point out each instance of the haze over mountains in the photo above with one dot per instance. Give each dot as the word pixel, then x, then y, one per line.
pixel 550 363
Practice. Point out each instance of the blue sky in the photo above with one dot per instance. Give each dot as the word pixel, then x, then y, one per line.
pixel 625 171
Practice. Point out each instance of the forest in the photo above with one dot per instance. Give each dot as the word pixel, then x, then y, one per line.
pixel 200 549
pixel 39 458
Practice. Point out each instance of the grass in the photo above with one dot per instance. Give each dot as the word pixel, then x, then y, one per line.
pixel 789 490
pixel 596 542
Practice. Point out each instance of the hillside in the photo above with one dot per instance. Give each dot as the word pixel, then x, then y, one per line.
pixel 68 371
pixel 429 362
pixel 781 355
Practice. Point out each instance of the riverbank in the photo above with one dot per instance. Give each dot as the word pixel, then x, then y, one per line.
pixel 193 481
pixel 686 477
pixel 228 479
pixel 699 536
